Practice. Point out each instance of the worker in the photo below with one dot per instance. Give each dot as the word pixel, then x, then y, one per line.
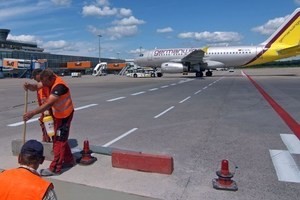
pixel 25 182
pixel 42 94
pixel 60 102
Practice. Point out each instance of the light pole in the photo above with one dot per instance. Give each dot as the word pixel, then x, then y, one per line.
pixel 99 48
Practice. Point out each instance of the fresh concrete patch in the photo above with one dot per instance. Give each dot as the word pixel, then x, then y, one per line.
pixel 17 144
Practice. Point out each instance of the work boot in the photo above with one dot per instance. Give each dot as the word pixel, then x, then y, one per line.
pixel 48 172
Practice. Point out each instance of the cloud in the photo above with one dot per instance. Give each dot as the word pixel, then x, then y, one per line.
pixel 122 28
pixel 55 45
pixel 164 30
pixel 16 11
pixel 129 21
pixel 94 30
pixel 24 38
pixel 114 32
pixel 125 12
pixel 118 32
pixel 215 37
pixel 102 2
pixel 62 2
pixel 271 26
pixel 93 10
pixel 137 51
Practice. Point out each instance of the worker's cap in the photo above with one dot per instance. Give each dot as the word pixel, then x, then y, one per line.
pixel 33 148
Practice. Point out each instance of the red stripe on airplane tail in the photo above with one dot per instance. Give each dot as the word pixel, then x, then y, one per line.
pixel 287 118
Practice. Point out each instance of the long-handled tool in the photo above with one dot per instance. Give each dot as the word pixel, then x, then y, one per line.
pixel 25 111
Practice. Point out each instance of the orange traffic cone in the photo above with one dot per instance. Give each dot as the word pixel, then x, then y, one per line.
pixel 224 181
pixel 86 158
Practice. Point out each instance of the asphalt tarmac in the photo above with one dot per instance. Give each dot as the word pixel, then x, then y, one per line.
pixel 197 121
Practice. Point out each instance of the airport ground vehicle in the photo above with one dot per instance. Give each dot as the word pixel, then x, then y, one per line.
pixel 100 69
pixel 104 68
pixel 141 73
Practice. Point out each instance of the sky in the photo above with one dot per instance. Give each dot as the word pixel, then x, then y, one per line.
pixel 124 28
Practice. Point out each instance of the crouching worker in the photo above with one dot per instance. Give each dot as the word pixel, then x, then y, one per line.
pixel 24 182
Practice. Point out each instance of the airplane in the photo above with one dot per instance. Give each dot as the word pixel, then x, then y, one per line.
pixel 283 43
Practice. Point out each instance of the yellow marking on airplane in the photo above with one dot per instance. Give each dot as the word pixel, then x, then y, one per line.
pixel 205 49
pixel 283 45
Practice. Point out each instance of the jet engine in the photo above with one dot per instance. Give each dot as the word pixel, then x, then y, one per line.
pixel 171 67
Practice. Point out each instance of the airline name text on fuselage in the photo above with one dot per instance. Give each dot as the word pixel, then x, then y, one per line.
pixel 162 52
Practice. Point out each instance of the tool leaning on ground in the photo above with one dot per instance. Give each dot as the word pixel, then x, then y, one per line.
pixel 25 110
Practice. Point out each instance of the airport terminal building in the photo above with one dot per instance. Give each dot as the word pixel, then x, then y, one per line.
pixel 10 49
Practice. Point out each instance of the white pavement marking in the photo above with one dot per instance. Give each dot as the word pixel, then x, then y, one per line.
pixel 35 119
pixel 120 137
pixel 291 142
pixel 164 112
pixel 84 107
pixel 164 86
pixel 138 93
pixel 242 72
pixel 185 99
pixel 21 123
pixel 153 89
pixel 198 91
pixel 115 99
pixel 285 166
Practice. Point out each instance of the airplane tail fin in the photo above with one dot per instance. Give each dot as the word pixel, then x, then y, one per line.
pixel 288 34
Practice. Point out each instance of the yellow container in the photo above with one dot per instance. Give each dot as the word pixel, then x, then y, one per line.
pixel 49 125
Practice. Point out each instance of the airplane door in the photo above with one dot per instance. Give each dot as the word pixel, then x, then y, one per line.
pixel 259 52
pixel 150 56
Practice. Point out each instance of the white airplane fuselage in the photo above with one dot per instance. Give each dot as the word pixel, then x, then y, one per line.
pixel 283 43
pixel 222 56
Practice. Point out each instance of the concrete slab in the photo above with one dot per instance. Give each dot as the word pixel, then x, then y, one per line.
pixel 17 144
pixel 69 191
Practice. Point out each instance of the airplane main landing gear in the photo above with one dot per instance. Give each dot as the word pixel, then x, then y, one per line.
pixel 208 73
pixel 199 74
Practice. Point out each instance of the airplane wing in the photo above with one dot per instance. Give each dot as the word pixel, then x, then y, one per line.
pixel 289 50
pixel 194 57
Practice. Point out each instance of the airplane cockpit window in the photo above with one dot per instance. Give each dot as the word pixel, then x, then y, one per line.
pixel 141 55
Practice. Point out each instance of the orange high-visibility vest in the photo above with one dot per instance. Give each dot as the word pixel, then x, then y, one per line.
pixel 42 94
pixel 21 183
pixel 64 106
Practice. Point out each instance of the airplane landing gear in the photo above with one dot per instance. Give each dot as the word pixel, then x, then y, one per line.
pixel 199 74
pixel 208 73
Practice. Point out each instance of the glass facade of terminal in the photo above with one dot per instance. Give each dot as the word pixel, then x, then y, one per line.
pixel 53 60
pixel 30 51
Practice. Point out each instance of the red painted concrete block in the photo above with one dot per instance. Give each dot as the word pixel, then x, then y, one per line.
pixel 142 162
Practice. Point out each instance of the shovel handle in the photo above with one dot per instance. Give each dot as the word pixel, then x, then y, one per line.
pixel 25 111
